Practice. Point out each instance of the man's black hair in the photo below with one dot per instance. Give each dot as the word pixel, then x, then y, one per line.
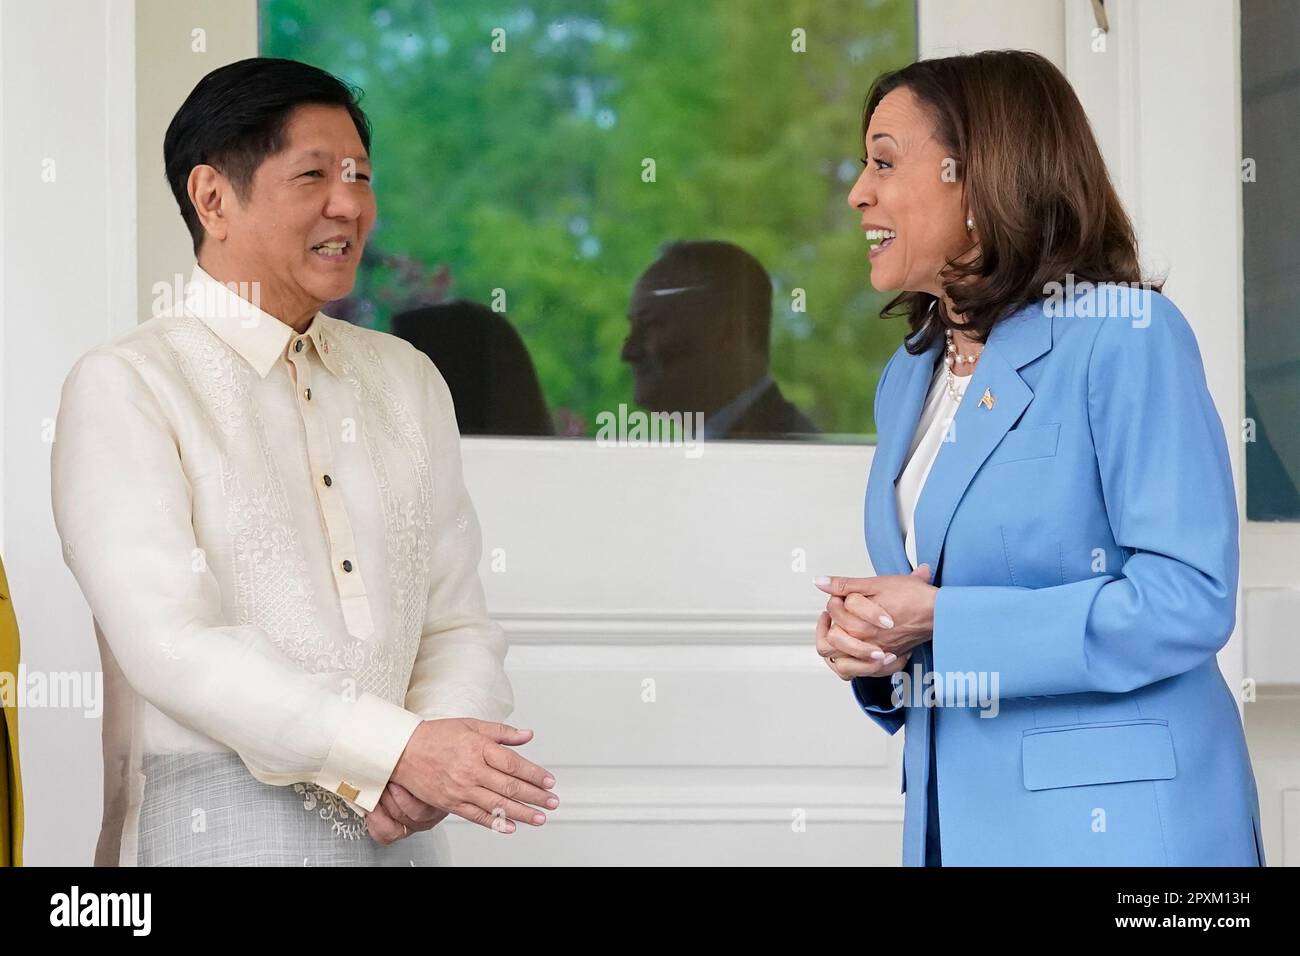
pixel 235 118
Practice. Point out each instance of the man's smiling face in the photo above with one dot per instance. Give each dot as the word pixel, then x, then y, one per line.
pixel 303 224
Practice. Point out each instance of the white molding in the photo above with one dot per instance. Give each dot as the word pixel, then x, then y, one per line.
pixel 1268 554
pixel 729 451
pixel 1272 652
pixel 948 27
pixel 1122 17
pixel 723 804
pixel 653 626
pixel 1109 84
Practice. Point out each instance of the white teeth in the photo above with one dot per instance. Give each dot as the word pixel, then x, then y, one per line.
pixel 881 234
pixel 332 246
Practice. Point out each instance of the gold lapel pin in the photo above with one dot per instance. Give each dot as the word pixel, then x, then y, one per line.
pixel 987 398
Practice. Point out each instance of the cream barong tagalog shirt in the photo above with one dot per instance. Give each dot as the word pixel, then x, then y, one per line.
pixel 274 538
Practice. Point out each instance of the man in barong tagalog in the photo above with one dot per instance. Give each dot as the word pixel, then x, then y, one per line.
pixel 264 508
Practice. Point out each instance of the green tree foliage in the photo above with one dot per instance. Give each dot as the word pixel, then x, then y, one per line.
pixel 521 169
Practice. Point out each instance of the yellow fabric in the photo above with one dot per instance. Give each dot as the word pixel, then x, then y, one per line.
pixel 11 780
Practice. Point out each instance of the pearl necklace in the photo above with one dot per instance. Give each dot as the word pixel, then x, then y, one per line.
pixel 951 356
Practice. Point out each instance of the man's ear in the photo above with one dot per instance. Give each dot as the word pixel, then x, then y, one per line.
pixel 208 190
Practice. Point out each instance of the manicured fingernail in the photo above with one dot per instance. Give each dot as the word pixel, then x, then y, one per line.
pixel 552 803
pixel 886 621
pixel 548 782
pixel 890 658
pixel 538 819
pixel 821 581
pixel 877 655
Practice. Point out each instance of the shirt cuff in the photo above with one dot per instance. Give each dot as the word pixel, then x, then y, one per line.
pixel 366 750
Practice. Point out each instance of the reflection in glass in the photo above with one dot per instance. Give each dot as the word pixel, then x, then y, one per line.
pixel 537 156
pixel 701 321
pixel 486 365
pixel 1270 127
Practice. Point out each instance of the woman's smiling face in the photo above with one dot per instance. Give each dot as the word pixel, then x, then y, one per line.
pixel 910 187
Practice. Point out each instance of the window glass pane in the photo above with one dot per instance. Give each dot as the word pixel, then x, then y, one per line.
pixel 536 162
pixel 1270 126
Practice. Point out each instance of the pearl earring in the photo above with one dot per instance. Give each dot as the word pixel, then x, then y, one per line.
pixel 970 224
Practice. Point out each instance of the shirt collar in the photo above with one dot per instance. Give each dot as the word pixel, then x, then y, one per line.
pixel 259 337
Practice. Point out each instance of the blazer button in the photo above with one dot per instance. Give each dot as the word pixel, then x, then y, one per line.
pixel 306 393
pixel 328 481
pixel 297 346
pixel 347 566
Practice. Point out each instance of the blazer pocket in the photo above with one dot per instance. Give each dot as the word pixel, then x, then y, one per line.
pixel 1078 755
pixel 1027 441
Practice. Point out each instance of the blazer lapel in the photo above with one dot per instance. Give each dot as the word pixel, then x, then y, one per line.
pixel 977 429
pixel 1014 342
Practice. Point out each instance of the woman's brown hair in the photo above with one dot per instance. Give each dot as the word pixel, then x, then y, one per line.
pixel 1033 178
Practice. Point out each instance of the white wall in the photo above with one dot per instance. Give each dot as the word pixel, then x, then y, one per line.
pixel 949 27
pixel 68 99
pixel 72 278
pixel 178 44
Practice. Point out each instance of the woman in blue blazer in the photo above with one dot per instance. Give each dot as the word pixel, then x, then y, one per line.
pixel 1050 648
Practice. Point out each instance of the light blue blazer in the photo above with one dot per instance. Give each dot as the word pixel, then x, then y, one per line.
pixel 1081 523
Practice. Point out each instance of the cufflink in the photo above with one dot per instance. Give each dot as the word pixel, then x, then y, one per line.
pixel 347 791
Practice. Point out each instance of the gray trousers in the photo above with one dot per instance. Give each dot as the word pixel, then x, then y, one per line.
pixel 206 809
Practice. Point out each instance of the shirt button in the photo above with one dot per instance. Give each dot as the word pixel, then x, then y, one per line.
pixel 328 480
pixel 307 394
pixel 297 346
pixel 347 566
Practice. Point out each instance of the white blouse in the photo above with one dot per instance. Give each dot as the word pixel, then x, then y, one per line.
pixel 275 541
pixel 931 430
